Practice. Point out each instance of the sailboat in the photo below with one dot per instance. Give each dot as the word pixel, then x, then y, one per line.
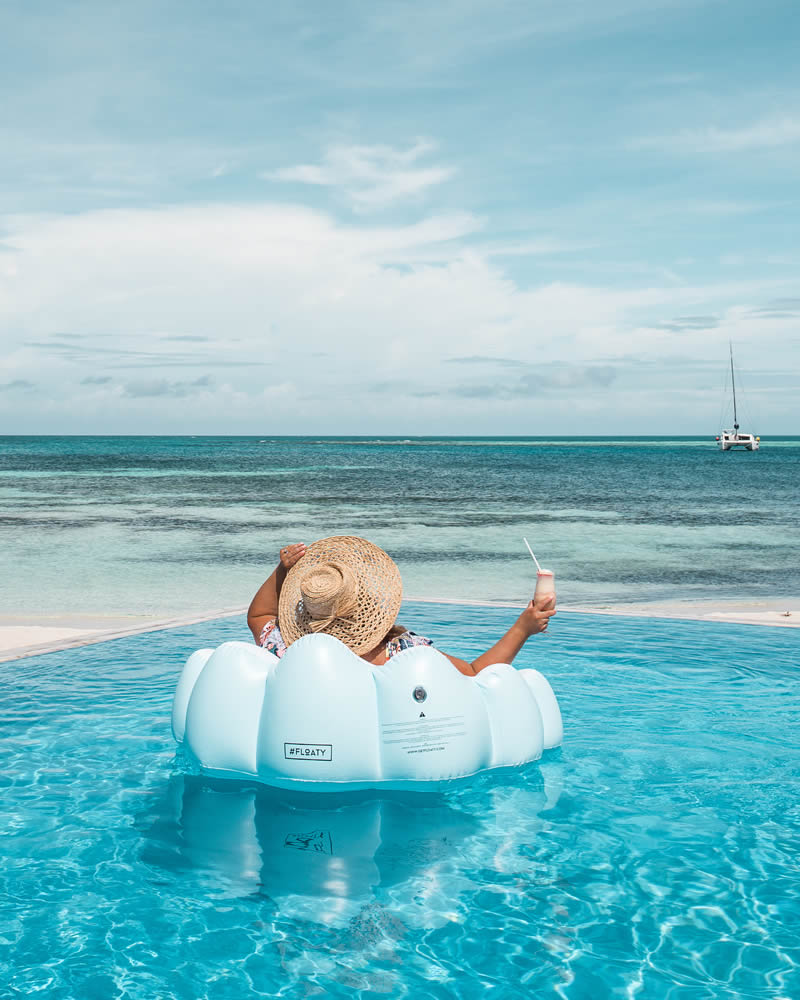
pixel 736 438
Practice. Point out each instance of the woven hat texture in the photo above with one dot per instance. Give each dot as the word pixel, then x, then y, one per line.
pixel 344 586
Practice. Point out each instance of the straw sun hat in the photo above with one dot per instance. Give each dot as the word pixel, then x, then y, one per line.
pixel 344 586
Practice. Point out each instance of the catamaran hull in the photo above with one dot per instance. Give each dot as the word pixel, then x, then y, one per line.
pixel 728 445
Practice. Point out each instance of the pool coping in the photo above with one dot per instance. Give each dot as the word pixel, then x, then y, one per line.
pixel 92 637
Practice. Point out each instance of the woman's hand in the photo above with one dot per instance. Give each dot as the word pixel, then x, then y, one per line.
pixel 290 554
pixel 536 617
pixel 533 619
pixel 264 606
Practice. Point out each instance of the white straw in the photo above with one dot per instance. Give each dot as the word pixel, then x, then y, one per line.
pixel 538 567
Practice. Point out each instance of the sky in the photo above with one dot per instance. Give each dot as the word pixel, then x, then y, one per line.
pixel 534 217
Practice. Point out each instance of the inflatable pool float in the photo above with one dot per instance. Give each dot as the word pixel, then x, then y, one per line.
pixel 322 719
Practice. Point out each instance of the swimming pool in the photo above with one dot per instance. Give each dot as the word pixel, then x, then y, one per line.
pixel 654 855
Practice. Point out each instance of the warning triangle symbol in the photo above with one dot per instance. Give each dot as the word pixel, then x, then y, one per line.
pixel 422 715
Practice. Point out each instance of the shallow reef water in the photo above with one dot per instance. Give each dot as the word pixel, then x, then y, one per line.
pixel 175 525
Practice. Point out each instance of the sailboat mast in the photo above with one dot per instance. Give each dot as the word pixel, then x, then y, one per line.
pixel 733 386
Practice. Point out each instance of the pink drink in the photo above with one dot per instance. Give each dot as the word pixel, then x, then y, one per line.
pixel 545 585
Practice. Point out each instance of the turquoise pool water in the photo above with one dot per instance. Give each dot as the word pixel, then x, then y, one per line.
pixel 655 855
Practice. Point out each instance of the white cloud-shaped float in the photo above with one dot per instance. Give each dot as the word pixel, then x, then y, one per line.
pixel 322 719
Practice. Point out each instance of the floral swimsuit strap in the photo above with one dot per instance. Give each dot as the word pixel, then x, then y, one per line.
pixel 272 640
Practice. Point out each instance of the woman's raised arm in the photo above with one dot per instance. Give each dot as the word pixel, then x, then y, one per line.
pixel 533 619
pixel 264 606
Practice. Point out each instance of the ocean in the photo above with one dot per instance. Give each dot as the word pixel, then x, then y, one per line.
pixel 182 525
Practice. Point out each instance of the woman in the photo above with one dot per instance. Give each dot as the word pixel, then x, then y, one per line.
pixel 348 587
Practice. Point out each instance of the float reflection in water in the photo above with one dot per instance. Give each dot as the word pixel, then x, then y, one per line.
pixel 285 845
pixel 324 857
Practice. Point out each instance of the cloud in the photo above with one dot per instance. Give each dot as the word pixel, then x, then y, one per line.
pixel 681 323
pixel 543 247
pixel 565 379
pixel 371 177
pixel 188 337
pixel 482 359
pixel 88 352
pixel 300 310
pixel 779 309
pixel 20 384
pixel 768 133
pixel 96 380
pixel 148 389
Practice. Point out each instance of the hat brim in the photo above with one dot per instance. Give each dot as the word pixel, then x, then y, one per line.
pixel 380 593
